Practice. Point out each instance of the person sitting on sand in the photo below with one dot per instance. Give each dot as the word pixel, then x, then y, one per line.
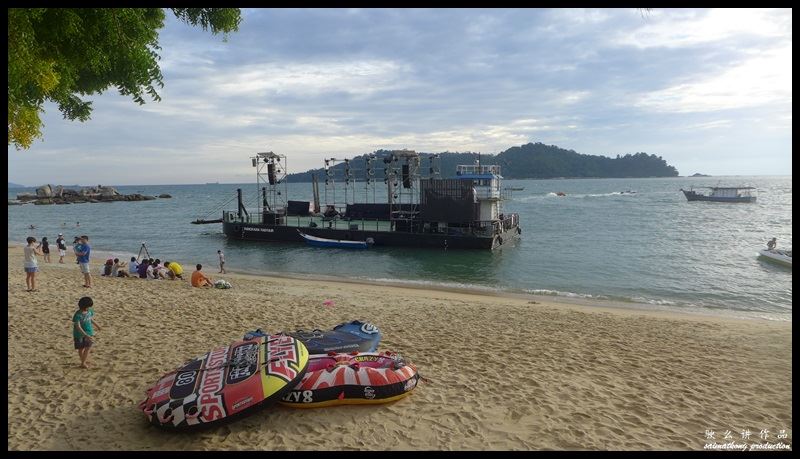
pixel 142 270
pixel 771 244
pixel 150 271
pixel 116 271
pixel 133 268
pixel 108 267
pixel 199 279
pixel 163 272
pixel 175 270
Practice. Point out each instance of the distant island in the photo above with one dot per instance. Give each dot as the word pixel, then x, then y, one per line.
pixel 699 175
pixel 15 185
pixel 533 160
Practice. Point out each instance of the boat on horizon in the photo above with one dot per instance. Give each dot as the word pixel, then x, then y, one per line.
pixel 722 194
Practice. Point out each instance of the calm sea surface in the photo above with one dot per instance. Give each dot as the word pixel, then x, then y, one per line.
pixel 652 248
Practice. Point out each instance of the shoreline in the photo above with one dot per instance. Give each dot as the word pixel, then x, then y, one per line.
pixel 566 301
pixel 503 374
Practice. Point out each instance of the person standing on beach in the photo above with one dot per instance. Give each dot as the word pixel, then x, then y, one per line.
pixel 31 264
pixel 45 249
pixel 83 250
pixel 221 261
pixel 62 247
pixel 83 329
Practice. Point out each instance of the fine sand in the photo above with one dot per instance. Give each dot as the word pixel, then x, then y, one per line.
pixel 503 372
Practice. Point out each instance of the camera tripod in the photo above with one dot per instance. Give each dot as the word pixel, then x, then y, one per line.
pixel 143 248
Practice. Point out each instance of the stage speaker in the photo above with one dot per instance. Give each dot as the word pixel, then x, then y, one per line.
pixel 406 177
pixel 271 173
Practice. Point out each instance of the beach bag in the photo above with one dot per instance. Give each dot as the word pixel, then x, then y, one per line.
pixel 222 284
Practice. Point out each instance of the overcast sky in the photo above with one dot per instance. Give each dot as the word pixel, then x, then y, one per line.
pixel 708 90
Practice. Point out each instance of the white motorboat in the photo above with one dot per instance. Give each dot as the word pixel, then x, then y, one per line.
pixel 783 257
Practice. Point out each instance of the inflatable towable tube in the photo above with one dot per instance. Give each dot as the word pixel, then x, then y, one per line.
pixel 357 378
pixel 228 381
pixel 346 337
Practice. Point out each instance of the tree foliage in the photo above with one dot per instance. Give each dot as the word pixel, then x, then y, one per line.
pixel 532 160
pixel 63 54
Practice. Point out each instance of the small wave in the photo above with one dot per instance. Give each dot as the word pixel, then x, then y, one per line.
pixel 426 283
pixel 547 292
pixel 658 302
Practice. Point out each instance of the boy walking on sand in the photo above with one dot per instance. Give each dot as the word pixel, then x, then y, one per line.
pixel 83 329
pixel 221 261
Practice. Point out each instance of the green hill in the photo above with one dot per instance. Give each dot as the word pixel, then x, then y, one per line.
pixel 532 160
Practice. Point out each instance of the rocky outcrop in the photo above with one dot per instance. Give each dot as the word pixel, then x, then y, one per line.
pixel 48 194
pixel 44 191
pixel 26 197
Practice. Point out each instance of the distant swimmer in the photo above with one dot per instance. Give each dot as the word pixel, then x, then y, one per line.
pixel 32 227
pixel 77 224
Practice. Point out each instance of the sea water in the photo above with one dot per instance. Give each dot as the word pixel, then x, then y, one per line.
pixel 649 249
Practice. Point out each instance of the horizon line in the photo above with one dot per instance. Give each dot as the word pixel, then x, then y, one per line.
pixel 237 183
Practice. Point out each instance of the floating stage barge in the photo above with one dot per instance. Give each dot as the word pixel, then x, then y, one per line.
pixel 459 213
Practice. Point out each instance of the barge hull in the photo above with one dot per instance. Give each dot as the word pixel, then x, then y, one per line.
pixel 255 232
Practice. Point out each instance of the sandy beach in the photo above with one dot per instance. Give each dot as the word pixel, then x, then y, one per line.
pixel 503 372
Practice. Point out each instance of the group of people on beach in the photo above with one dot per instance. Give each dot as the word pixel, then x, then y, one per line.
pixel 147 268
pixel 80 247
pixel 84 326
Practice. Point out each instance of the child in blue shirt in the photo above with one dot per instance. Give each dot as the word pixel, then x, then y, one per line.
pixel 83 329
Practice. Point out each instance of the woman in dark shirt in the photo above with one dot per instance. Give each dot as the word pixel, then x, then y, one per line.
pixel 45 249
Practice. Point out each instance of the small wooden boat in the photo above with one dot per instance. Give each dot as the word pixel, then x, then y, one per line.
pixel 782 257
pixel 723 194
pixel 561 193
pixel 338 243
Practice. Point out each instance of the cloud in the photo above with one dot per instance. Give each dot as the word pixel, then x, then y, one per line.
pixel 314 82
pixel 759 80
pixel 686 28
pixel 311 79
